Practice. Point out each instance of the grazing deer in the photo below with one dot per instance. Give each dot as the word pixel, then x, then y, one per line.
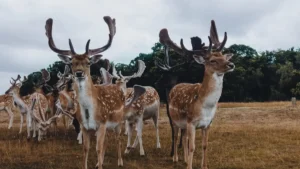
pixel 101 107
pixel 193 106
pixel 7 104
pixel 146 107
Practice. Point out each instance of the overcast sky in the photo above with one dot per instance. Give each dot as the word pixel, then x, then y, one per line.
pixel 261 24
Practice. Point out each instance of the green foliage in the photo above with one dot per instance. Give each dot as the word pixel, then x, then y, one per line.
pixel 264 76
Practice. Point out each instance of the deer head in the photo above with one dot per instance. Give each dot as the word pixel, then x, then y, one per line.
pixel 210 56
pixel 122 80
pixel 15 87
pixel 80 63
pixel 63 79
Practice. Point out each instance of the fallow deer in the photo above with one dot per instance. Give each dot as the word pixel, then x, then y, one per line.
pixel 7 105
pixel 22 103
pixel 101 107
pixel 146 107
pixel 193 106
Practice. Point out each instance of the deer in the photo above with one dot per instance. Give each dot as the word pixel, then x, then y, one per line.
pixel 193 106
pixel 22 103
pixel 101 107
pixel 6 105
pixel 146 107
pixel 170 78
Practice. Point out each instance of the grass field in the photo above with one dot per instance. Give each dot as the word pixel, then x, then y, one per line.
pixel 243 135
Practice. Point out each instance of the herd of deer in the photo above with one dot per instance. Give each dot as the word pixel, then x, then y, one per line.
pixel 95 106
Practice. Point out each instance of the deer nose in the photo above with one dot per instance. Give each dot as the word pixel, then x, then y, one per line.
pixel 79 74
pixel 230 65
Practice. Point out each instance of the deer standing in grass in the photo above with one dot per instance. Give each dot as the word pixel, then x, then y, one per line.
pixel 101 107
pixel 7 105
pixel 146 107
pixel 22 103
pixel 193 106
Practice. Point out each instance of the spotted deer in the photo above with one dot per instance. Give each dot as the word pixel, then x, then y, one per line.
pixel 146 107
pixel 193 106
pixel 7 105
pixel 22 103
pixel 101 107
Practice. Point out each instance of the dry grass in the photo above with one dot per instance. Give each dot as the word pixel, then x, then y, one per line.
pixel 243 135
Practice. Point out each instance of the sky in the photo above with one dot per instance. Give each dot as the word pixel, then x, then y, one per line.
pixel 261 24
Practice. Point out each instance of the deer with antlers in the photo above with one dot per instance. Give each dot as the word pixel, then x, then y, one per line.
pixel 101 107
pixel 146 107
pixel 193 106
pixel 7 105
pixel 21 103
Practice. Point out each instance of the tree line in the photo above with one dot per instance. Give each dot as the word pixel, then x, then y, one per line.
pixel 258 76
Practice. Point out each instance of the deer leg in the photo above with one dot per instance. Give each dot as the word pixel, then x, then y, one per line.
pixel 140 124
pixel 11 117
pixel 185 145
pixel 101 132
pixel 34 128
pixel 155 120
pixel 86 147
pixel 21 123
pixel 126 128
pixel 191 132
pixel 181 135
pixel 175 156
pixel 118 133
pixel 29 125
pixel 129 128
pixel 79 137
pixel 204 148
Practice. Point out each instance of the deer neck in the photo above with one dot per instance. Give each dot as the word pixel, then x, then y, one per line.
pixel 19 102
pixel 211 89
pixel 86 96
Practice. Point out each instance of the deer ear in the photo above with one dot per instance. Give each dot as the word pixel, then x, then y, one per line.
pixel 94 59
pixel 65 59
pixel 228 56
pixel 199 59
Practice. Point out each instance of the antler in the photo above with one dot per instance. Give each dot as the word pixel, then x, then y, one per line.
pixel 215 38
pixel 15 80
pixel 165 64
pixel 52 46
pixel 141 69
pixel 112 31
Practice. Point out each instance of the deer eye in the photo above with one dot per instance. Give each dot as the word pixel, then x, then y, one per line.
pixel 89 63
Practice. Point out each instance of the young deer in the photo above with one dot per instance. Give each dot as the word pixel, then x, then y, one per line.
pixel 7 104
pixel 146 107
pixel 101 107
pixel 193 106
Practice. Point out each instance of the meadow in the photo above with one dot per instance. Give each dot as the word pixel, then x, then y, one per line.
pixel 242 136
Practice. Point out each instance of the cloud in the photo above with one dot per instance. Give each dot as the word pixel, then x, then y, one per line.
pixel 262 24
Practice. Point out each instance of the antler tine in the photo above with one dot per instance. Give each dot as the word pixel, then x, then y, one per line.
pixel 139 73
pixel 215 38
pixel 71 47
pixel 112 31
pixel 164 38
pixel 114 72
pixel 51 43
